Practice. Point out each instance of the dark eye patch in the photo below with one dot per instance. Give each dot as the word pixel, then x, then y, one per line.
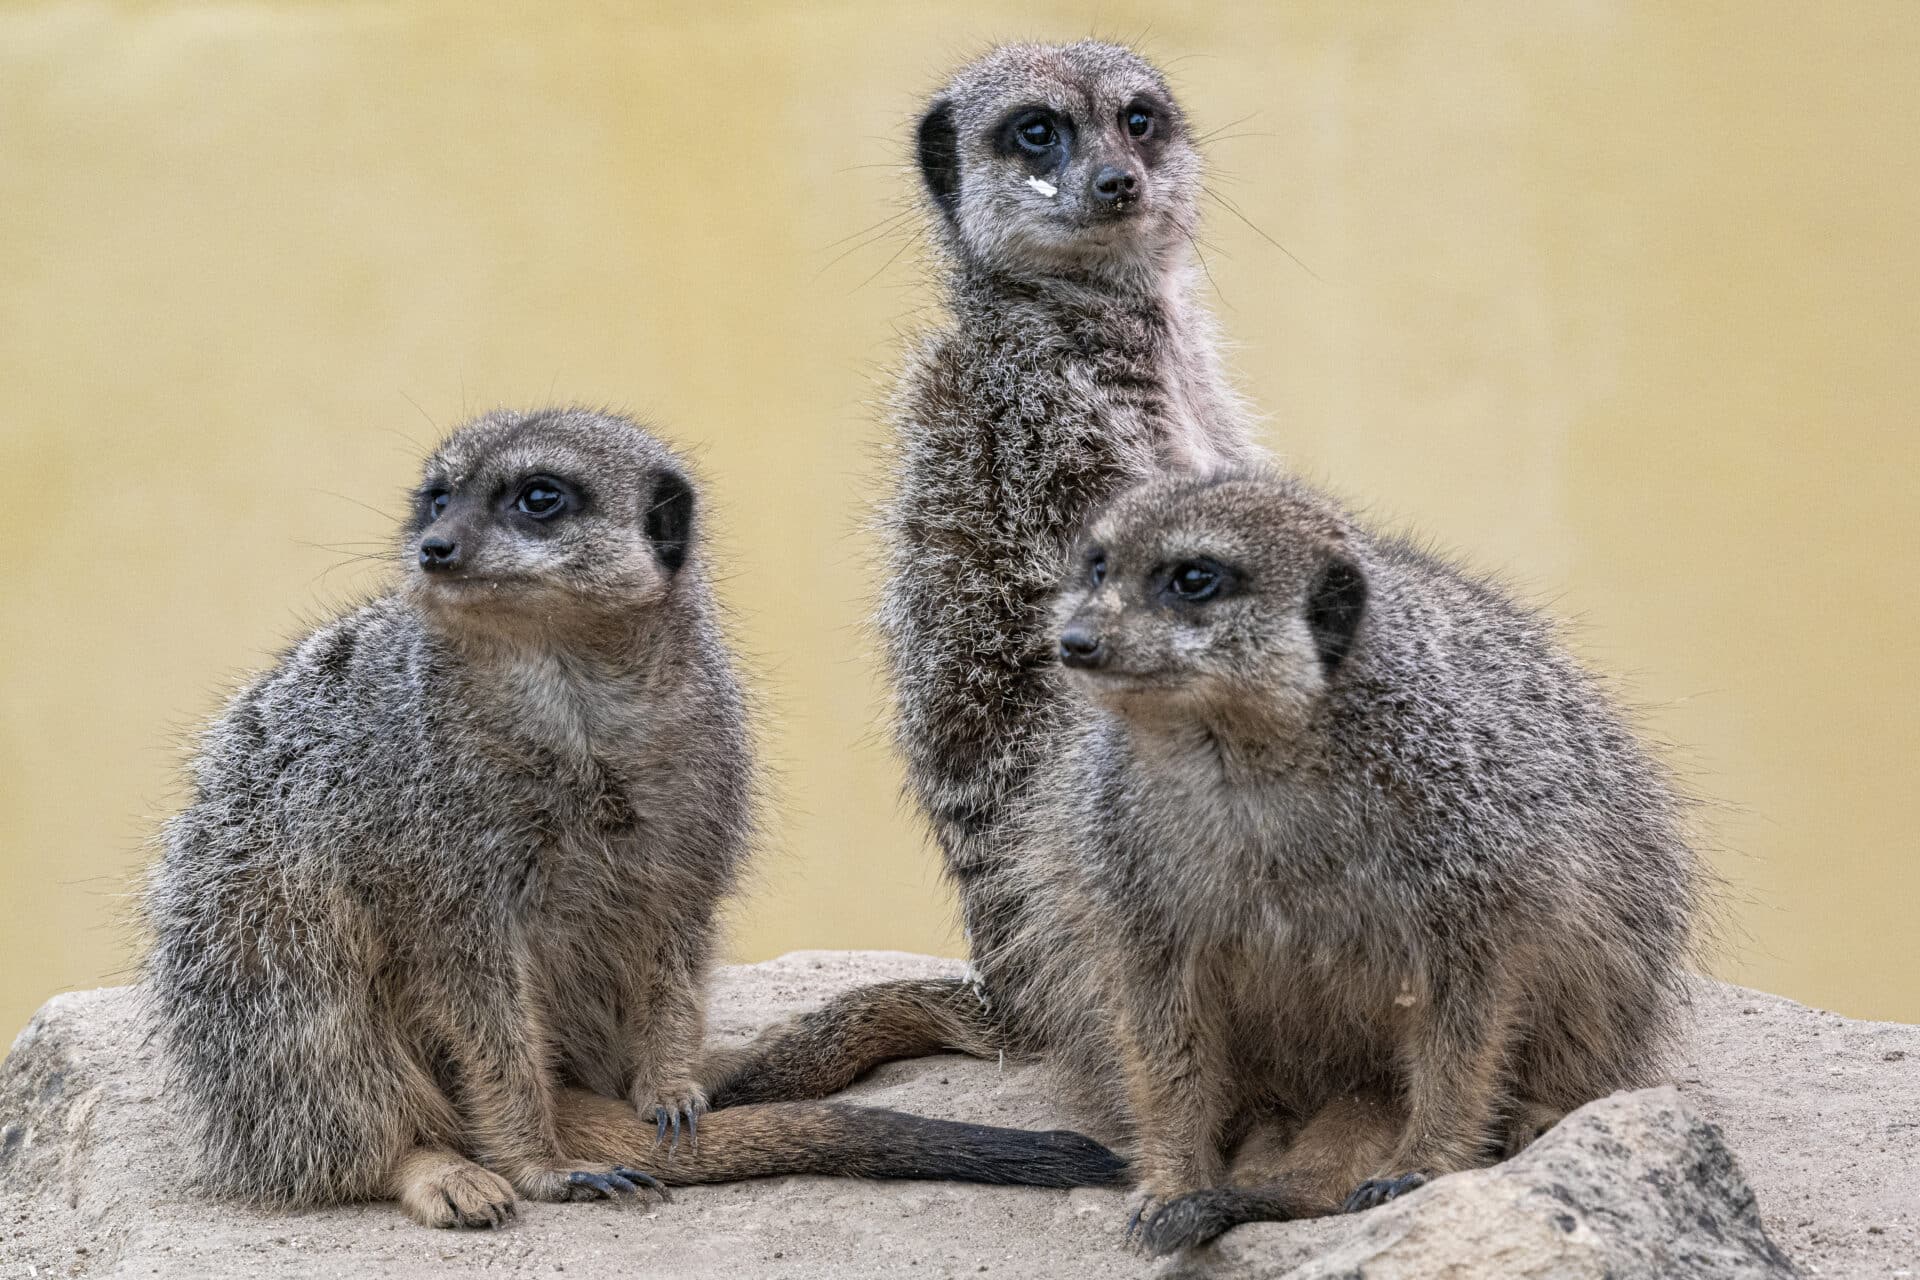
pixel 429 501
pixel 544 498
pixel 1038 136
pixel 1195 581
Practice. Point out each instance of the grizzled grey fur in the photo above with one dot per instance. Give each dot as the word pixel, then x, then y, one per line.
pixel 437 923
pixel 1076 363
pixel 473 830
pixel 1345 875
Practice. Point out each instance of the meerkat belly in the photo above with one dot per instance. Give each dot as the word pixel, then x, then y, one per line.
pixel 594 925
pixel 1316 1006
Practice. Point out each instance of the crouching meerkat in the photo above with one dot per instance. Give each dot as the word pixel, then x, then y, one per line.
pixel 1063 186
pixel 437 923
pixel 1346 874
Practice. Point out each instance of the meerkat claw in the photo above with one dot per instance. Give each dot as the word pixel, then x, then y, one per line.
pixel 659 1125
pixel 600 1186
pixel 643 1179
pixel 1136 1225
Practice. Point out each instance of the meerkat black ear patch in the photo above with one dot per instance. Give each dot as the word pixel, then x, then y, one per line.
pixel 938 146
pixel 669 519
pixel 1334 608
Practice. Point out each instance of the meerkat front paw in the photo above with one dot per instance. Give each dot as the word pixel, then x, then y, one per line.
pixel 586 1181
pixel 669 1108
pixel 457 1193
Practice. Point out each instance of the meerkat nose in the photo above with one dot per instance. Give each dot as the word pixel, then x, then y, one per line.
pixel 438 553
pixel 1115 187
pixel 1080 647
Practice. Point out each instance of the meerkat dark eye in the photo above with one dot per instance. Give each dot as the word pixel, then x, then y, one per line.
pixel 541 499
pixel 1139 121
pixel 1194 581
pixel 1036 133
pixel 437 503
pixel 1097 568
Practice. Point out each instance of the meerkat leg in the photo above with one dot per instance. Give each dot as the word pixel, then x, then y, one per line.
pixel 665 1022
pixel 1452 1059
pixel 1172 1059
pixel 1276 1180
pixel 1527 1120
pixel 500 1046
pixel 442 1188
pixel 824 1050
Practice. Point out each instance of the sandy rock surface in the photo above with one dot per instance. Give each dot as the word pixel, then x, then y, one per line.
pixel 1792 1133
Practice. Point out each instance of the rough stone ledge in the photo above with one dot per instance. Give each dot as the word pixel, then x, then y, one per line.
pixel 1821 1111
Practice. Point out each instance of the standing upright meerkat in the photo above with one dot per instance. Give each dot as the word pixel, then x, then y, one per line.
pixel 1346 875
pixel 437 923
pixel 1063 184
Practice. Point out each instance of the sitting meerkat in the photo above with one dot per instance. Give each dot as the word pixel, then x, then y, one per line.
pixel 1062 185
pixel 1348 876
pixel 437 923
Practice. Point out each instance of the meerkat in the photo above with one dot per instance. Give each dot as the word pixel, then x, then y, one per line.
pixel 1063 186
pixel 437 923
pixel 1347 875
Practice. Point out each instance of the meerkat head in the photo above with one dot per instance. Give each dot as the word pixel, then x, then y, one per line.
pixel 1047 158
pixel 1237 597
pixel 555 516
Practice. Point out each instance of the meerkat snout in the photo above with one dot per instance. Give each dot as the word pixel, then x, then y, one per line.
pixel 1114 189
pixel 439 553
pixel 1081 646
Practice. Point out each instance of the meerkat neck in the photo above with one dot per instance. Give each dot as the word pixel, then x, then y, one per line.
pixel 574 686
pixel 1230 746
pixel 1162 278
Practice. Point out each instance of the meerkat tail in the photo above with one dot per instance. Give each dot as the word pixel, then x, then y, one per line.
pixel 834 1139
pixel 826 1049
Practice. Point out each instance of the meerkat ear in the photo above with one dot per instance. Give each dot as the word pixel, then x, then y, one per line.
pixel 1334 608
pixel 669 519
pixel 938 146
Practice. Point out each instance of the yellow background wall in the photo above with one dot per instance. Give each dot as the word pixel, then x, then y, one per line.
pixel 1619 298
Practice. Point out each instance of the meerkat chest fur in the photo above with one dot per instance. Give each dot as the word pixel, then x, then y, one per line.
pixel 1126 375
pixel 608 746
pixel 1242 842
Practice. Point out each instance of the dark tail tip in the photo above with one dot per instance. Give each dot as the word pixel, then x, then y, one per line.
pixel 897 1145
pixel 1063 1158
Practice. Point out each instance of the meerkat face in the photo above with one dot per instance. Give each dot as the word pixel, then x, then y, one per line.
pixel 1047 158
pixel 1238 597
pixel 548 517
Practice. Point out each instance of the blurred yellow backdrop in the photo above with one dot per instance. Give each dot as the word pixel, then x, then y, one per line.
pixel 1619 298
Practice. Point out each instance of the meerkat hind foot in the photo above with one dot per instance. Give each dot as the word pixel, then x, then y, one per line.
pixel 607 1182
pixel 1375 1192
pixel 440 1188
pixel 1201 1217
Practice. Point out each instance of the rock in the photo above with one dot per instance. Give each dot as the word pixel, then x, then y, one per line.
pixel 1631 1185
pixel 1819 1110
